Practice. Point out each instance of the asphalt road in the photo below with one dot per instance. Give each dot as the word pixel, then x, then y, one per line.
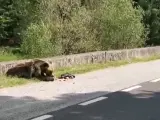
pixel 139 102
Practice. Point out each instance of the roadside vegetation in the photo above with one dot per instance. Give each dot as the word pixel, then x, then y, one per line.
pixel 46 28
pixel 79 69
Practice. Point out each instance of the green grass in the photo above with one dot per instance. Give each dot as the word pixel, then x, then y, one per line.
pixel 13 81
pixel 8 57
pixel 79 69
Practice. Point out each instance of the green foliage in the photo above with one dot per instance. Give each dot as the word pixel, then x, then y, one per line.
pixel 76 34
pixel 152 19
pixel 27 11
pixel 69 25
pixel 121 25
pixel 8 20
pixel 57 27
pixel 6 54
pixel 36 40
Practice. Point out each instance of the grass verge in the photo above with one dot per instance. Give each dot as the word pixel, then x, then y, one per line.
pixel 13 81
pixel 6 54
pixel 79 69
pixel 8 57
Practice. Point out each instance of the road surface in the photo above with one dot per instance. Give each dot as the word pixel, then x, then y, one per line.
pixel 138 102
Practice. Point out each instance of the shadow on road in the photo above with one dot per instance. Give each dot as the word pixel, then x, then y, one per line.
pixel 118 106
pixel 18 108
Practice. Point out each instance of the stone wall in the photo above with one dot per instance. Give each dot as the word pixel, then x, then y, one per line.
pixel 92 57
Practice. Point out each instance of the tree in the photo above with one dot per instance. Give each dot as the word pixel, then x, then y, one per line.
pixel 8 21
pixel 151 19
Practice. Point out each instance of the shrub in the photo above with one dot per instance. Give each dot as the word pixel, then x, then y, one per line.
pixel 36 40
pixel 121 25
pixel 69 26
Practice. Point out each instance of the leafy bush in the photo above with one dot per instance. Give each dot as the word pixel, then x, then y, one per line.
pixel 76 35
pixel 49 27
pixel 151 19
pixel 36 40
pixel 121 25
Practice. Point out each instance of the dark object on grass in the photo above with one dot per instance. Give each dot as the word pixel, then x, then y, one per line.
pixel 46 78
pixel 22 70
pixel 34 69
pixel 41 67
pixel 66 75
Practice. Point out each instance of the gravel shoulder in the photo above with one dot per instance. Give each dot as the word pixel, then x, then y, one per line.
pixel 30 100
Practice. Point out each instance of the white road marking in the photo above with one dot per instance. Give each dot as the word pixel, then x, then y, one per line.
pixel 131 88
pixel 93 101
pixel 156 80
pixel 43 117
